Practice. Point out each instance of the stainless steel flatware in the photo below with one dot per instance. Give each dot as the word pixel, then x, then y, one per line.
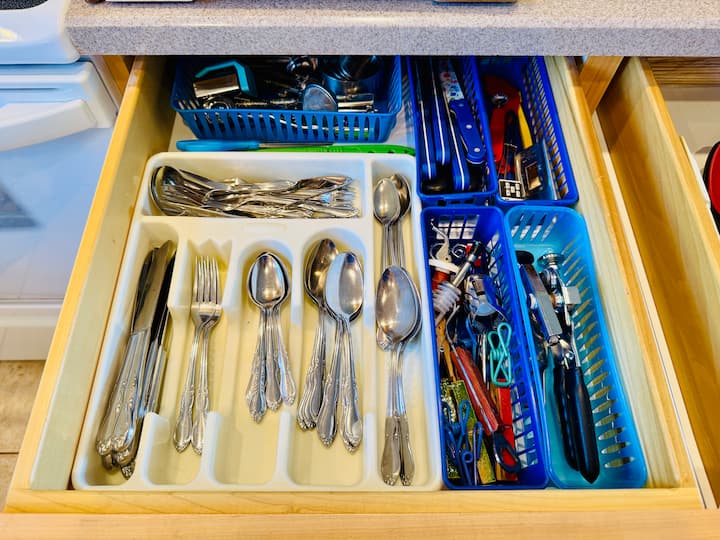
pixel 344 296
pixel 271 382
pixel 119 431
pixel 205 311
pixel 319 260
pixel 397 311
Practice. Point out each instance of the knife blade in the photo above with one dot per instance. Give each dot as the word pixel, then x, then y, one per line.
pixel 462 113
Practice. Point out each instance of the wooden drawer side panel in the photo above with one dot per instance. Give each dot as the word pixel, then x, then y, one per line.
pixel 680 252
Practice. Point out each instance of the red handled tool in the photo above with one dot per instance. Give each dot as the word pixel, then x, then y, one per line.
pixel 485 410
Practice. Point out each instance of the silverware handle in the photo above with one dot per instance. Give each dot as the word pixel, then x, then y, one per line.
pixel 390 463
pixel 309 406
pixel 398 245
pixel 255 393
pixel 387 248
pixel 352 425
pixel 130 396
pixel 288 392
pixel 202 397
pixel 183 428
pixel 112 409
pixel 273 396
pixel 326 424
pixel 407 468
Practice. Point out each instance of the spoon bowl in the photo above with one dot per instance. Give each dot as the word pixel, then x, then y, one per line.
pixel 319 260
pixel 267 281
pixel 344 287
pixel 397 306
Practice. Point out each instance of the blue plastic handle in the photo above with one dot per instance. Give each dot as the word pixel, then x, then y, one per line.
pixel 215 145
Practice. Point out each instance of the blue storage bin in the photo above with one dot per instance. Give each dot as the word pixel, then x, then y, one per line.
pixel 541 230
pixel 466 72
pixel 529 75
pixel 293 126
pixel 464 224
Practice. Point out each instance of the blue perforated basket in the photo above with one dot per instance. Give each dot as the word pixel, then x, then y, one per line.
pixel 464 224
pixel 467 77
pixel 529 75
pixel 541 230
pixel 295 126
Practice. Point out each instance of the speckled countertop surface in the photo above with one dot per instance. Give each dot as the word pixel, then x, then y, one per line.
pixel 553 27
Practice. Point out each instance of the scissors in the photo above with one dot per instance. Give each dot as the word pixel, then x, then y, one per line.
pixel 464 451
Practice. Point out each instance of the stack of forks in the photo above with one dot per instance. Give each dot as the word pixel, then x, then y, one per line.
pixel 205 311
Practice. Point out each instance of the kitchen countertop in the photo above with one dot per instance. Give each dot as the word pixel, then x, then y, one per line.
pixel 548 27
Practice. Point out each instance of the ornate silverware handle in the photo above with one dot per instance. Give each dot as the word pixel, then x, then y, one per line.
pixel 326 423
pixel 390 465
pixel 352 425
pixel 273 397
pixel 288 391
pixel 112 410
pixel 255 393
pixel 311 400
pixel 202 400
pixel 129 397
pixel 183 428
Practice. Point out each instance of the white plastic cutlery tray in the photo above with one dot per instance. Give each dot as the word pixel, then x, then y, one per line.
pixel 275 454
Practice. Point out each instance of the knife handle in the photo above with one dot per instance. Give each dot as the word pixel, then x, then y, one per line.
pixel 129 397
pixel 439 121
pixel 475 153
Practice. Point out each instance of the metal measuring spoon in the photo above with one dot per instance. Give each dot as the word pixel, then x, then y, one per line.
pixel 397 311
pixel 344 297
pixel 318 98
pixel 270 380
pixel 321 257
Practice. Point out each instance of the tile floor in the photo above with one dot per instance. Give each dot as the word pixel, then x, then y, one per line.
pixel 18 385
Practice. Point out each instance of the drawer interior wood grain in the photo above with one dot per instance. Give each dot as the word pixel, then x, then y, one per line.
pixel 144 127
pixel 679 245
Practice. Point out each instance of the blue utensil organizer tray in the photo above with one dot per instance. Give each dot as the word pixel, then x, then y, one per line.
pixel 287 126
pixel 529 75
pixel 467 77
pixel 464 224
pixel 541 230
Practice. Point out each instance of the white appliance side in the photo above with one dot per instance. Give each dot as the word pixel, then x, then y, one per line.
pixel 46 191
pixel 36 35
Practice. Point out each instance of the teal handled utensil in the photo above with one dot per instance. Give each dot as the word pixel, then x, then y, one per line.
pixel 499 355
pixel 220 145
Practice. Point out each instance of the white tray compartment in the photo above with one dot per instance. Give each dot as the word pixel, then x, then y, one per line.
pixel 274 454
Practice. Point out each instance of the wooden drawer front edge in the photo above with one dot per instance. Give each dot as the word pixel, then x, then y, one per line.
pixel 143 130
pixel 680 249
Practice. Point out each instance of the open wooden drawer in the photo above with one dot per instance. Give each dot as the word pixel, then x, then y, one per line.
pixel 675 233
pixel 42 479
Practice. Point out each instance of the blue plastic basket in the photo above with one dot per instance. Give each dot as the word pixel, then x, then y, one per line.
pixel 530 76
pixel 464 224
pixel 541 230
pixel 467 76
pixel 296 126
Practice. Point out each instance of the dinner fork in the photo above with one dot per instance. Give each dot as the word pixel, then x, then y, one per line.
pixel 205 311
